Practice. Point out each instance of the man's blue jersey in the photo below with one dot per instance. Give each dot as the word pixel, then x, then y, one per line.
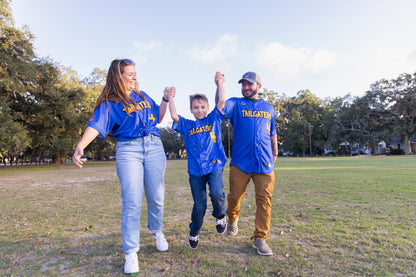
pixel 203 143
pixel 254 122
pixel 111 116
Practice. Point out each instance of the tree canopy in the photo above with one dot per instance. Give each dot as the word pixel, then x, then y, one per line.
pixel 44 108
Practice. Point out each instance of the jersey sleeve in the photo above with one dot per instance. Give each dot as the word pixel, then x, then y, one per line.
pixel 102 120
pixel 273 124
pixel 228 108
pixel 180 126
pixel 216 114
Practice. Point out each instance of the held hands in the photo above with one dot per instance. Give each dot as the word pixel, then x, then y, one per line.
pixel 166 93
pixel 219 78
pixel 172 108
pixel 171 92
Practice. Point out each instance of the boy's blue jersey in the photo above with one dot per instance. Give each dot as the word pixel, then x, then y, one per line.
pixel 254 122
pixel 203 143
pixel 111 116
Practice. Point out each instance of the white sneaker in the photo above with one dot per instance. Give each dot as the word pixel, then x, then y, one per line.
pixel 161 243
pixel 131 263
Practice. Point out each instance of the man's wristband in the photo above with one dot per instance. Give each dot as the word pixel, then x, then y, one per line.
pixel 275 154
pixel 164 99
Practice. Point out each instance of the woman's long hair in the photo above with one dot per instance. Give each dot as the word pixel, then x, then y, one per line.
pixel 115 89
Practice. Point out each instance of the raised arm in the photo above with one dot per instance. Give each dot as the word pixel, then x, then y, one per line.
pixel 275 149
pixel 163 105
pixel 89 135
pixel 220 93
pixel 172 108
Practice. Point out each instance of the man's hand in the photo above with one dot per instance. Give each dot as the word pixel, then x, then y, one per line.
pixel 172 92
pixel 219 78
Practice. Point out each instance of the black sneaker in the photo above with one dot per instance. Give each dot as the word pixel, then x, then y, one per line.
pixel 221 225
pixel 193 242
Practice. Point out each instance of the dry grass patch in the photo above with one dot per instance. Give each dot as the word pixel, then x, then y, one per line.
pixel 330 217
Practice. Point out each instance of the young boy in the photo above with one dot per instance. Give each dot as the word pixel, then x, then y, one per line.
pixel 206 157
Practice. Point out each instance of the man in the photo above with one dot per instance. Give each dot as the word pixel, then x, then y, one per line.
pixel 253 156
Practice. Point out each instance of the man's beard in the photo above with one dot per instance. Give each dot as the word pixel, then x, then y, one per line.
pixel 249 93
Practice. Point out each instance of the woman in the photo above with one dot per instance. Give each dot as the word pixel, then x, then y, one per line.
pixel 131 115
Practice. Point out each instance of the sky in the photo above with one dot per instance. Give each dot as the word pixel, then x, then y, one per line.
pixel 330 47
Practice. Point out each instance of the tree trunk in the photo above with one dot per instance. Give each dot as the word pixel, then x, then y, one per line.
pixel 34 154
pixel 407 149
pixel 59 159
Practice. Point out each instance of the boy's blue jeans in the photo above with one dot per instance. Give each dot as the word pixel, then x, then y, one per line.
pixel 199 194
pixel 140 166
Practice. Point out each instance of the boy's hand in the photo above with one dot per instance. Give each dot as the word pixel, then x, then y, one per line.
pixel 172 92
pixel 219 78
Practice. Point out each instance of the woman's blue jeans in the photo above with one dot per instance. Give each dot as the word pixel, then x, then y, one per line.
pixel 141 167
pixel 199 194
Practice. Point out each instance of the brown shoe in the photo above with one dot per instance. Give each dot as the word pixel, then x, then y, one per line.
pixel 232 228
pixel 262 247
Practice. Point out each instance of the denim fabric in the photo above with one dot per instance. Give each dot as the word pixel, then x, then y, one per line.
pixel 141 167
pixel 199 194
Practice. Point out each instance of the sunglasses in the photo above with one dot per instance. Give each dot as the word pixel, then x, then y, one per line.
pixel 127 61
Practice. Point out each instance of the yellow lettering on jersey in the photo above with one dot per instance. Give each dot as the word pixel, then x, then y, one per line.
pixel 206 128
pixel 213 136
pixel 137 107
pixel 251 113
pixel 268 127
pixel 151 117
pixel 143 105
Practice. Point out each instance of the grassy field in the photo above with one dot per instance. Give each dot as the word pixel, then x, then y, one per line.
pixel 330 217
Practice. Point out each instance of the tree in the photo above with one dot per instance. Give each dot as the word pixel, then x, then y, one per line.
pixel 280 103
pixel 99 148
pixel 227 135
pixel 172 141
pixel 14 139
pixel 64 110
pixel 395 103
pixel 41 102
pixel 303 120
pixel 16 78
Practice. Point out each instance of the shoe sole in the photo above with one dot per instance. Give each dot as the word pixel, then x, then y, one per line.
pixel 262 253
pixel 131 273
pixel 192 247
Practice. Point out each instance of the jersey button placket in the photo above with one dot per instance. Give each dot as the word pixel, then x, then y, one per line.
pixel 256 141
pixel 201 147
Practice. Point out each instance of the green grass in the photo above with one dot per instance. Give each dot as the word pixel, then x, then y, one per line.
pixel 330 217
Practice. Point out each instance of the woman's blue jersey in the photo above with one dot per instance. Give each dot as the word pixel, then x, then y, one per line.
pixel 111 116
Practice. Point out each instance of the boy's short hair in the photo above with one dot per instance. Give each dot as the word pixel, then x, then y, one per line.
pixel 197 96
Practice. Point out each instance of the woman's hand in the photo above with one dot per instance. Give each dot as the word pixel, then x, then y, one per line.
pixel 76 158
